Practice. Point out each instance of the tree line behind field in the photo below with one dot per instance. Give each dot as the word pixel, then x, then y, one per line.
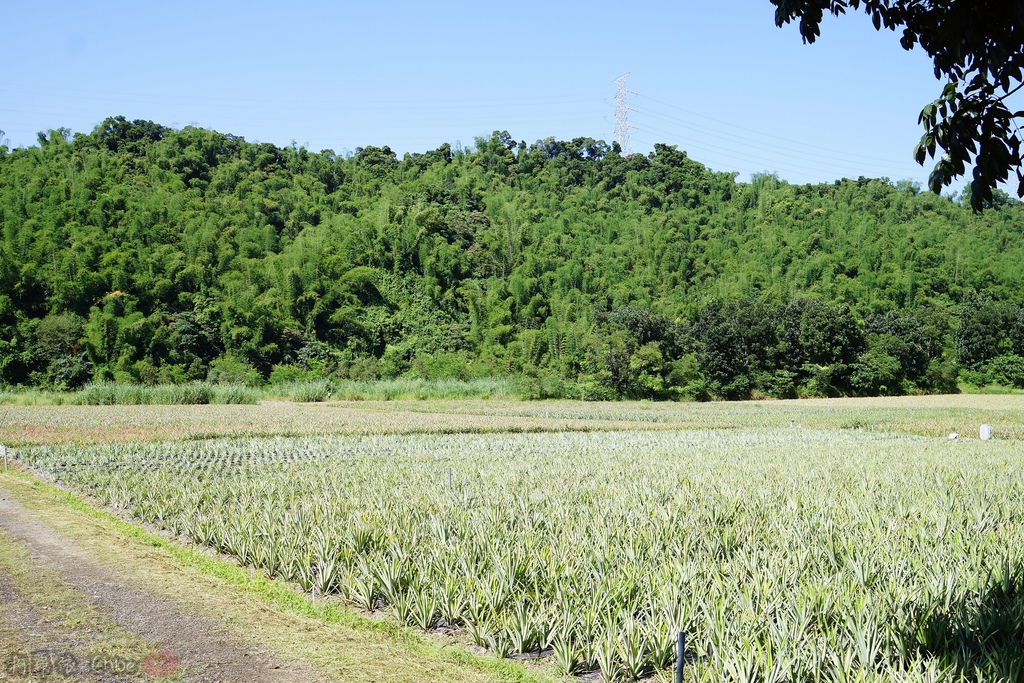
pixel 142 254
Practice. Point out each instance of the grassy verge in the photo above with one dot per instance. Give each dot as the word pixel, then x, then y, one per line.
pixel 392 389
pixel 109 394
pixel 363 639
pixel 989 389
pixel 310 391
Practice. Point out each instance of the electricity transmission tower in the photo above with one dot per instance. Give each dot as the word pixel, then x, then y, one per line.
pixel 622 109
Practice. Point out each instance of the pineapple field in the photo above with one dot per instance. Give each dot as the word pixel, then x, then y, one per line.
pixel 823 541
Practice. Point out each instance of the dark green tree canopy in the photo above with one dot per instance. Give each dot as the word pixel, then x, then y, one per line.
pixel 140 253
pixel 977 46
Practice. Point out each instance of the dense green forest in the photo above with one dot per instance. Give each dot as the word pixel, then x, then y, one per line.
pixel 139 253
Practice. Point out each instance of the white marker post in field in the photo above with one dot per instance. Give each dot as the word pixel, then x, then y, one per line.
pixel 3 449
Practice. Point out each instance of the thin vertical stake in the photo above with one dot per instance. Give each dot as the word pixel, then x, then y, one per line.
pixel 680 656
pixel 4 448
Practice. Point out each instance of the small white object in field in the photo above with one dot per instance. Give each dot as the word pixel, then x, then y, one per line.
pixel 986 432
pixel 953 435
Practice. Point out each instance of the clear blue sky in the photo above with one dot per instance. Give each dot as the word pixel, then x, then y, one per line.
pixel 716 78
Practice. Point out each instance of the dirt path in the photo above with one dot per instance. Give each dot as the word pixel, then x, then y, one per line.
pixel 171 640
pixel 86 597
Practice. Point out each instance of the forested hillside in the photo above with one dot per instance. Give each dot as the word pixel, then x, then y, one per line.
pixel 145 254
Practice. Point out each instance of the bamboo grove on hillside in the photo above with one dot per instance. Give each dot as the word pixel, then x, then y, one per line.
pixel 142 254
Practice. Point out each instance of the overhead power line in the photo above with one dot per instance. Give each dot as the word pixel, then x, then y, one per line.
pixel 759 133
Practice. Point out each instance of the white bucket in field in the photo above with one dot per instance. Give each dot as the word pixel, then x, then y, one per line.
pixel 986 432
